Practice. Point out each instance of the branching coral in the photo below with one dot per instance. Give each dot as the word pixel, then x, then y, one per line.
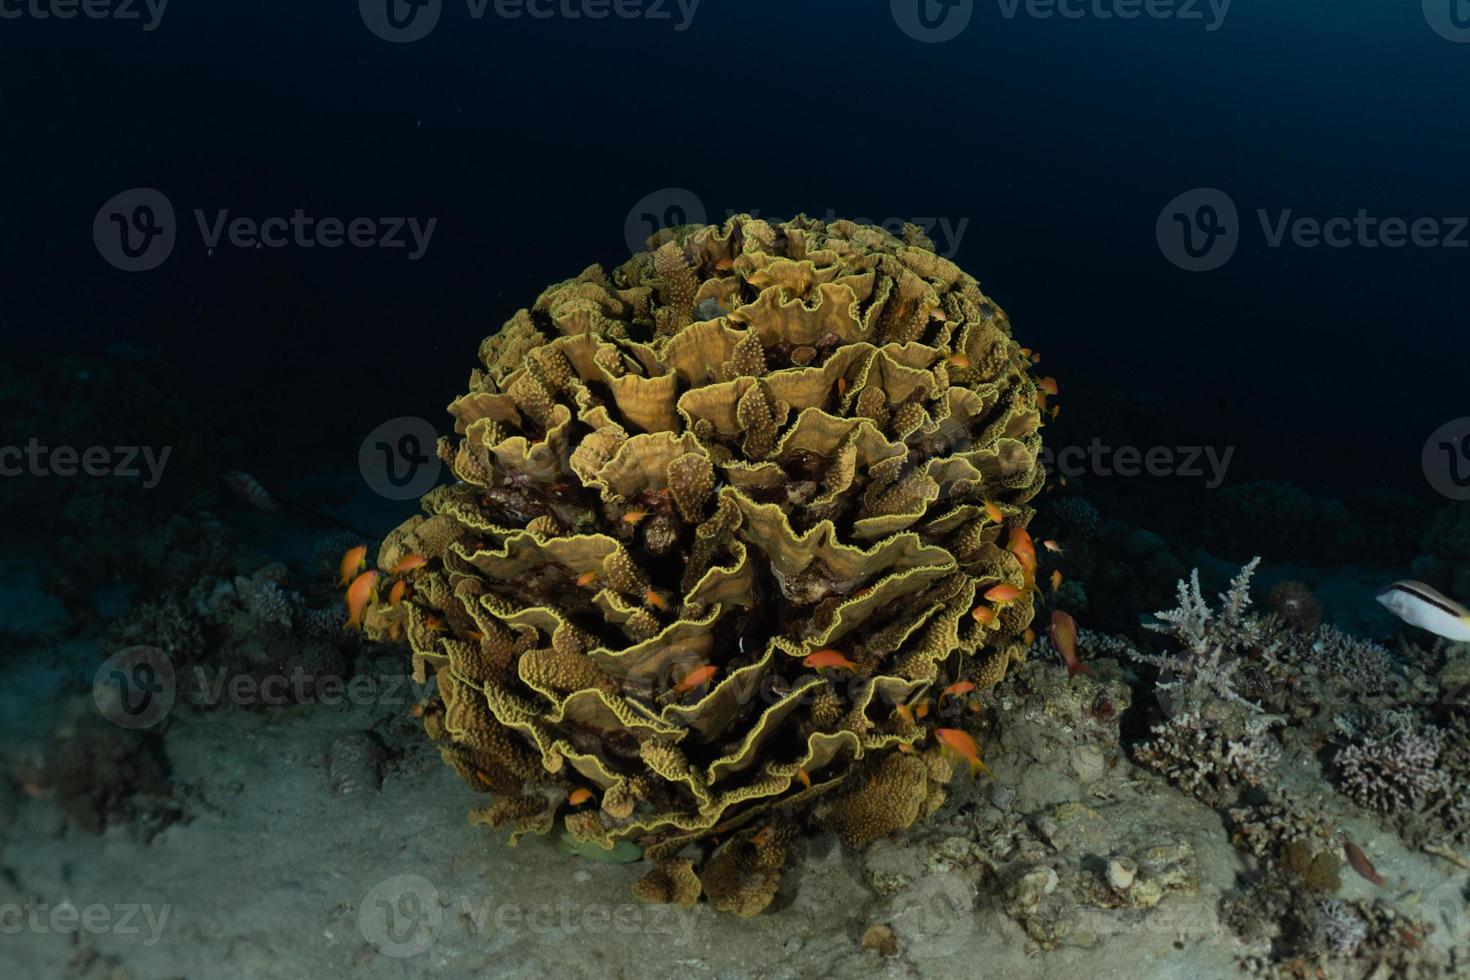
pixel 1399 772
pixel 677 482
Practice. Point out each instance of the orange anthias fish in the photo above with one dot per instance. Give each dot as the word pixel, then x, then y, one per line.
pixel 657 600
pixel 352 563
pixel 959 360
pixel 635 515
pixel 695 678
pixel 1004 592
pixel 408 563
pixel 992 511
pixel 823 659
pixel 1360 863
pixel 983 615
pixel 1056 580
pixel 962 744
pixel 1021 545
pixel 359 594
pixel 806 780
pixel 579 796
pixel 1064 638
pixel 1048 385
pixel 1029 637
pixel 1053 547
pixel 958 689
pixel 586 579
pixel 395 594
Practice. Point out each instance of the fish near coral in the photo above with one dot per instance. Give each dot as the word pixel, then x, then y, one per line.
pixel 822 659
pixel 962 744
pixel 1003 593
pixel 1419 605
pixel 579 796
pixel 1064 639
pixel 395 594
pixel 360 594
pixel 408 563
pixel 1359 862
pixel 353 561
pixel 696 678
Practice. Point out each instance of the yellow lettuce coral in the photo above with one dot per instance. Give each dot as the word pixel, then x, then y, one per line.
pixel 677 481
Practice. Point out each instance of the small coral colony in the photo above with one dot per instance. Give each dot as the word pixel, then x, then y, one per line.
pixel 738 540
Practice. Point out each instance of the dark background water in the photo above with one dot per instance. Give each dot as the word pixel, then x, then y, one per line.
pixel 1054 143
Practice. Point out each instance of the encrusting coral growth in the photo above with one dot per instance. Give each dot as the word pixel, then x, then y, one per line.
pixel 722 518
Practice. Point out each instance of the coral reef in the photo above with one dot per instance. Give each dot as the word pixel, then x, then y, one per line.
pixel 666 506
pixel 1296 605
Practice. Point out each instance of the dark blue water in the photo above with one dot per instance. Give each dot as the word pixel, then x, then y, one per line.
pixel 1054 143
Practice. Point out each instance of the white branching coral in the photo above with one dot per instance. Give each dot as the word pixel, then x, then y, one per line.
pixel 1212 741
pixel 1212 643
pixel 1393 774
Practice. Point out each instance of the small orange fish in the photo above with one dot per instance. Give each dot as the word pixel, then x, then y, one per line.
pixel 983 615
pixel 955 690
pixel 1056 580
pixel 408 563
pixel 1026 352
pixel 635 515
pixel 695 678
pixel 657 600
pixel 1028 637
pixel 923 709
pixel 586 579
pixel 359 594
pixel 353 562
pixel 905 712
pixel 959 360
pixel 823 659
pixel 1021 545
pixel 579 796
pixel 992 511
pixel 1055 411
pixel 841 387
pixel 1048 385
pixel 1053 547
pixel 1004 592
pixel 962 744
pixel 806 780
pixel 725 264
pixel 1064 639
pixel 395 594
pixel 1360 863
pixel 433 623
pixel 906 748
